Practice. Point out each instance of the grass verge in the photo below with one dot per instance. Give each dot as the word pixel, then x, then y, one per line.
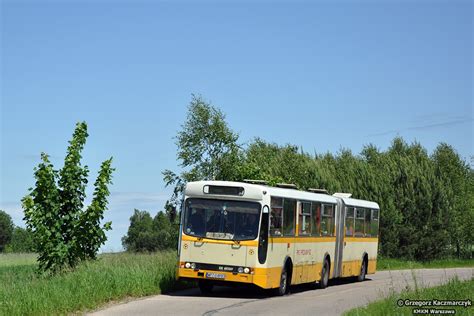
pixel 17 259
pixel 453 290
pixel 92 284
pixel 399 264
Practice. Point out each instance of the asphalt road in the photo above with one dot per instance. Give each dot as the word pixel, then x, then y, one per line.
pixel 341 295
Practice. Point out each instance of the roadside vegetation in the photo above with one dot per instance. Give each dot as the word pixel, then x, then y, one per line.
pixel 17 259
pixel 453 290
pixel 399 264
pixel 93 283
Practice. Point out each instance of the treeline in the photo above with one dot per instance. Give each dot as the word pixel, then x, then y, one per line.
pixel 426 200
pixel 14 238
pixel 151 234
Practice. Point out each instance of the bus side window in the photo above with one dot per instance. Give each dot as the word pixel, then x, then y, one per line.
pixel 359 222
pixel 276 216
pixel 374 224
pixel 349 221
pixel 367 232
pixel 327 223
pixel 289 213
pixel 316 219
pixel 304 220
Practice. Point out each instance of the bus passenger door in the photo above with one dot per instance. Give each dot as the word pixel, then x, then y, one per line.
pixel 339 238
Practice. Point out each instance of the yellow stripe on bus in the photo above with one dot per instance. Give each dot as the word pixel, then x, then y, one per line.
pixel 301 239
pixel 361 239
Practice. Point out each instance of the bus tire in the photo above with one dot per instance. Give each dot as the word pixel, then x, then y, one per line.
pixel 323 283
pixel 363 271
pixel 284 282
pixel 205 286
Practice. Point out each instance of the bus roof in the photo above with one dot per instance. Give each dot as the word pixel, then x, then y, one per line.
pixel 360 203
pixel 256 191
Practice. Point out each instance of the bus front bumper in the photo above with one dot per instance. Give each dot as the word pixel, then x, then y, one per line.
pixel 257 277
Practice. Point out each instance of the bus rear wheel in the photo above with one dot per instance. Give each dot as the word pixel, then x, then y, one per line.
pixel 363 271
pixel 323 283
pixel 205 286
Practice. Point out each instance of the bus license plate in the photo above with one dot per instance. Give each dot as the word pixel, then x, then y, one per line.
pixel 212 275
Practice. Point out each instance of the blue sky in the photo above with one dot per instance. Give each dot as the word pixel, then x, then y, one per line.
pixel 323 75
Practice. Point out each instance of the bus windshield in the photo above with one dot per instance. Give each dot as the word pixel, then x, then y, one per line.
pixel 220 219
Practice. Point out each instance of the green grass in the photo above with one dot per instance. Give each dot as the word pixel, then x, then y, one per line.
pixel 112 277
pixel 453 290
pixel 398 264
pixel 17 259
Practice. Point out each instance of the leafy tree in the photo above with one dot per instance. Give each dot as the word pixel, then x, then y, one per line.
pixel 391 217
pixel 140 233
pixel 165 231
pixel 456 180
pixel 150 234
pixel 207 148
pixel 65 232
pixel 22 241
pixel 6 229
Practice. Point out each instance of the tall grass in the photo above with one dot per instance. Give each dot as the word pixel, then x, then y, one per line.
pixel 398 264
pixel 17 259
pixel 112 277
pixel 453 290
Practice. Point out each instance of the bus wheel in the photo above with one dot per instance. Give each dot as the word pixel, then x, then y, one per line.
pixel 205 286
pixel 283 288
pixel 363 271
pixel 323 283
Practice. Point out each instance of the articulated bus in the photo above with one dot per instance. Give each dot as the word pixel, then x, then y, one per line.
pixel 274 236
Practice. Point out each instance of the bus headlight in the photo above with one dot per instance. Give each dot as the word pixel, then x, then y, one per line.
pixel 246 270
pixel 187 265
pixel 240 270
pixel 193 265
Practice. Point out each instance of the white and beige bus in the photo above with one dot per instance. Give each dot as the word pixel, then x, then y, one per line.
pixel 274 237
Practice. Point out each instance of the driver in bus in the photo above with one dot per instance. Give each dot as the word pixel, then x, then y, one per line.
pixel 252 224
pixel 213 223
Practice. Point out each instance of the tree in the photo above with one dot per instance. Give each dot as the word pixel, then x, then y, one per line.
pixel 147 234
pixel 165 232
pixel 22 241
pixel 207 148
pixel 456 179
pixel 66 233
pixel 6 229
pixel 140 233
